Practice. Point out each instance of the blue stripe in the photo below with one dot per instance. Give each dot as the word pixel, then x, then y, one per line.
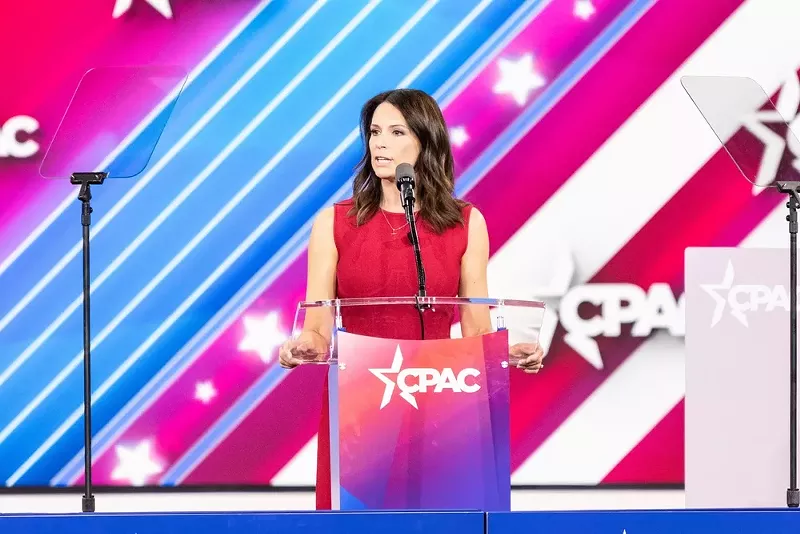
pixel 232 230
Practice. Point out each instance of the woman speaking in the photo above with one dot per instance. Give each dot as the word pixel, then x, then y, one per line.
pixel 360 248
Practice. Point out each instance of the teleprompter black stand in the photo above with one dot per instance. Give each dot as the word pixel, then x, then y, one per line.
pixel 791 189
pixel 86 180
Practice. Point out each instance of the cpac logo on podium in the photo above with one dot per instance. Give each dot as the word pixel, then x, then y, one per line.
pixel 740 299
pixel 12 143
pixel 418 380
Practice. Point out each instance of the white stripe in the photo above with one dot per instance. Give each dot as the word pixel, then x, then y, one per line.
pixel 153 394
pixel 669 141
pixel 772 231
pixel 243 246
pixel 197 71
pixel 150 175
pixel 301 470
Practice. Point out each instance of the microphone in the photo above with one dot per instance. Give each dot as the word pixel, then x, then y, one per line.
pixel 405 181
pixel 404 178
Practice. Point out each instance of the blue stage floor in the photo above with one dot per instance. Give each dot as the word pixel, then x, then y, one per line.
pixel 601 522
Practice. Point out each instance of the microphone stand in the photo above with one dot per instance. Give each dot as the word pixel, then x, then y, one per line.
pixel 86 180
pixel 791 188
pixel 407 195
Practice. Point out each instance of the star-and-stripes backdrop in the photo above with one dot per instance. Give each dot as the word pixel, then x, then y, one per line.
pixel 571 134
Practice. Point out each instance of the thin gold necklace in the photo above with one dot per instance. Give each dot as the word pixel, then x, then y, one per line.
pixel 394 230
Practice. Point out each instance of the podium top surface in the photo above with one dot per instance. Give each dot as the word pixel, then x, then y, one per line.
pixel 428 300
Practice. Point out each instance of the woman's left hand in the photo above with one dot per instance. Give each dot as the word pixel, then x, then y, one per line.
pixel 529 356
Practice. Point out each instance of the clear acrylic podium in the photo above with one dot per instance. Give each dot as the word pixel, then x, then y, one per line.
pixel 421 424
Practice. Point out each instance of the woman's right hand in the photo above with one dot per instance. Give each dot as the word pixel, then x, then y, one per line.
pixel 308 346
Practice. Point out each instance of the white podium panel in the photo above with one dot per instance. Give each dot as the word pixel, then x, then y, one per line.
pixel 737 377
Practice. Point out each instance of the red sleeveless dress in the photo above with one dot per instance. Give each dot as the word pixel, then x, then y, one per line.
pixel 375 263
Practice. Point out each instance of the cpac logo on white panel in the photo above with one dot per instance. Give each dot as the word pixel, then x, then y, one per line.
pixel 419 380
pixel 13 141
pixel 739 299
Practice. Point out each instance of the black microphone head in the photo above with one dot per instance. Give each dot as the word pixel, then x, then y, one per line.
pixel 404 175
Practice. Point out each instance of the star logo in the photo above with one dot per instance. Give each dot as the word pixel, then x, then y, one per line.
pixel 584 9
pixel 162 6
pixel 262 335
pixel 135 464
pixel 770 126
pixel 397 364
pixel 518 78
pixel 459 136
pixel 205 391
pixel 720 301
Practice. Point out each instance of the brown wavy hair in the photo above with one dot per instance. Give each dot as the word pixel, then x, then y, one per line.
pixel 435 177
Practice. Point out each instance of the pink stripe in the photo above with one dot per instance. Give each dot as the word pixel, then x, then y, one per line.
pixel 85 38
pixel 270 436
pixel 288 406
pixel 661 30
pixel 554 38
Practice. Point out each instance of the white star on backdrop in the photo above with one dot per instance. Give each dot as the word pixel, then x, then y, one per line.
pixel 775 144
pixel 162 6
pixel 135 464
pixel 518 78
pixel 583 9
pixel 205 391
pixel 262 335
pixel 458 136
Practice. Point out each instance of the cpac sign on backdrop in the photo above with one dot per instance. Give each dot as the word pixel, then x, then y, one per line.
pixel 619 304
pixel 15 137
pixel 645 309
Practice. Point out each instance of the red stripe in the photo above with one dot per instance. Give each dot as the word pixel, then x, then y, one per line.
pixel 658 458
